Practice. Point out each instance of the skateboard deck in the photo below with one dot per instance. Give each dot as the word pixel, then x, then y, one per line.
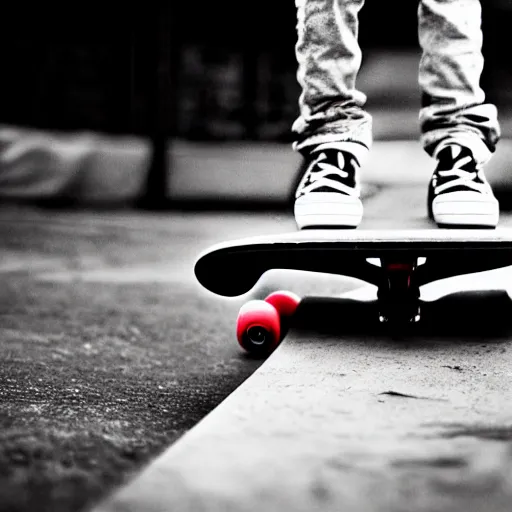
pixel 398 262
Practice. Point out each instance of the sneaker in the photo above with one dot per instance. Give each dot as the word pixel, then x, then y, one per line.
pixel 328 195
pixel 459 194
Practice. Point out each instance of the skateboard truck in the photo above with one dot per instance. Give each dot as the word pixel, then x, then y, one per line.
pixel 398 294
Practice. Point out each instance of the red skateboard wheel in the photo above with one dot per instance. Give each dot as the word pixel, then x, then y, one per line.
pixel 258 327
pixel 285 302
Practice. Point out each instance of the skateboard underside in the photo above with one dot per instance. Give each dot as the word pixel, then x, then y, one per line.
pixel 233 268
pixel 397 262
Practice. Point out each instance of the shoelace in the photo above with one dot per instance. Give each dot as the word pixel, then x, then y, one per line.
pixel 464 178
pixel 319 178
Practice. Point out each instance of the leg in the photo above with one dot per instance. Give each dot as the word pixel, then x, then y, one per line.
pixel 329 58
pixel 458 128
pixel 333 132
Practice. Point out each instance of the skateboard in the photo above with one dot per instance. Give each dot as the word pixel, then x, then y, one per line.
pixel 397 262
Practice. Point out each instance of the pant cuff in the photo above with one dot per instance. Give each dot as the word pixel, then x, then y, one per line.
pixel 434 144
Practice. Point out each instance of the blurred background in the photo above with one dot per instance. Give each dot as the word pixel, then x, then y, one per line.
pixel 156 106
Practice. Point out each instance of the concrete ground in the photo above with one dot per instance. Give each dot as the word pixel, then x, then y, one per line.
pixel 113 354
pixel 109 350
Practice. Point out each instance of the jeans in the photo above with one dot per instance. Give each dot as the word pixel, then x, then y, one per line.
pixel 453 104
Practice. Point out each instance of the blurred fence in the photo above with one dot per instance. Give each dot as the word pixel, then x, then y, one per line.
pixel 232 75
pixel 208 71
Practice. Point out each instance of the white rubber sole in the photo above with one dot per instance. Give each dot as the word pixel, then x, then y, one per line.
pixel 466 209
pixel 328 209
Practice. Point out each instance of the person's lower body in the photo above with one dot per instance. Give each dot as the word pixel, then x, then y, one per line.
pixel 458 128
pixel 334 132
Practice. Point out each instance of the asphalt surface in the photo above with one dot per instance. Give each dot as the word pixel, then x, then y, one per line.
pixel 110 352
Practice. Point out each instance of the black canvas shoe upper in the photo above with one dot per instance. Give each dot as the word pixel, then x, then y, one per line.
pixel 331 168
pixel 457 171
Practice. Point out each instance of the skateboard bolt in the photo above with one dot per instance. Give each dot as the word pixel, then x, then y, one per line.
pixel 257 335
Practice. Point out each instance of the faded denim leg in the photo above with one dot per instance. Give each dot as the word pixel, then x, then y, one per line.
pixel 453 103
pixel 329 59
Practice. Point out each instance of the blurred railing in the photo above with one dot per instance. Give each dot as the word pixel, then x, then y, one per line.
pixel 208 71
